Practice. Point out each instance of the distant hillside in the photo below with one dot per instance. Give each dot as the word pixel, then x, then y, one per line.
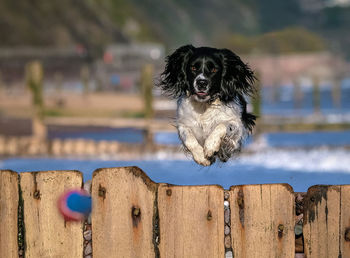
pixel 96 23
pixel 56 23
pixel 204 22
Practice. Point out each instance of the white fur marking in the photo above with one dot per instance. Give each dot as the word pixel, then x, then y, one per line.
pixel 200 77
pixel 213 142
pixel 207 124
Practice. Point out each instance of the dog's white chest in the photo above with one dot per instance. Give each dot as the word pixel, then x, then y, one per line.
pixel 202 118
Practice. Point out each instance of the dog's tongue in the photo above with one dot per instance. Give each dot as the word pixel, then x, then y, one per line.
pixel 201 93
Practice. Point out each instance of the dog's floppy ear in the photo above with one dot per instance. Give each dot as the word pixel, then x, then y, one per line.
pixel 237 82
pixel 173 81
pixel 237 77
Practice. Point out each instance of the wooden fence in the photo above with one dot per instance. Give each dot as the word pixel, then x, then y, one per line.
pixel 134 217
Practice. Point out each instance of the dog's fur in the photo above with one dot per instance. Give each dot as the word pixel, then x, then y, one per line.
pixel 210 85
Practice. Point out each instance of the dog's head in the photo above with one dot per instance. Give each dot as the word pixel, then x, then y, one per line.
pixel 206 74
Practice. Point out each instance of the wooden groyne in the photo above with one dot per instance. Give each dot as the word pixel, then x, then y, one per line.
pixel 33 147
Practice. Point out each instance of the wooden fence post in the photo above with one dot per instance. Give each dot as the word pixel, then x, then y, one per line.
pixel 47 234
pixel 336 92
pixel 297 94
pixel 262 221
pixel 327 221
pixel 85 78
pixel 123 213
pixel 191 221
pixel 134 217
pixel 147 74
pixel 316 95
pixel 8 214
pixel 2 85
pixel 256 100
pixel 34 80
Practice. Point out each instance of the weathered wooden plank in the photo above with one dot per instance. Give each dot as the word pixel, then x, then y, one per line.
pixel 262 220
pixel 46 232
pixel 8 214
pixel 123 213
pixel 326 226
pixel 191 221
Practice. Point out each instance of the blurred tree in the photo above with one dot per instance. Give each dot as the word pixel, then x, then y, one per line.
pixel 289 40
pixel 239 43
pixel 97 23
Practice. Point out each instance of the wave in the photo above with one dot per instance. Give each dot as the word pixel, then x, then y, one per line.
pixel 319 160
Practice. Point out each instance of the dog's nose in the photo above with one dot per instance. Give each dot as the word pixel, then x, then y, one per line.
pixel 202 84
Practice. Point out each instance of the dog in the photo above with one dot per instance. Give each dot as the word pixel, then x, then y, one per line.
pixel 210 86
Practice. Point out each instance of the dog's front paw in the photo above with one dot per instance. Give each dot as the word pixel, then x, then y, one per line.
pixel 201 160
pixel 209 152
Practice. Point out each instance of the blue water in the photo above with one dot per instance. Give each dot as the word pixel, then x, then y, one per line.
pixel 299 168
pixel 186 172
pixel 282 139
pixel 308 139
pixel 284 103
pixel 279 139
pixel 130 135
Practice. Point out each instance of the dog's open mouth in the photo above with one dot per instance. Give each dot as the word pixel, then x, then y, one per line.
pixel 201 94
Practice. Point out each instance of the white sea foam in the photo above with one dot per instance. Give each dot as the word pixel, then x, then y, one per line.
pixel 320 160
pixel 313 160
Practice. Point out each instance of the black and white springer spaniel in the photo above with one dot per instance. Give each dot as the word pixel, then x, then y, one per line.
pixel 210 85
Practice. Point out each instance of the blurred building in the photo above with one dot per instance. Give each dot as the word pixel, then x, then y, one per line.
pixel 284 69
pixel 122 63
pixel 315 5
pixel 117 69
pixel 66 61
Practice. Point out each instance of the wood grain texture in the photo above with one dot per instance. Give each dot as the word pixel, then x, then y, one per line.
pixel 327 221
pixel 123 212
pixel 8 214
pixel 46 232
pixel 191 221
pixel 262 221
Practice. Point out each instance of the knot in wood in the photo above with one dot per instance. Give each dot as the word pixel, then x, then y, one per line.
pixel 347 234
pixel 136 211
pixel 209 216
pixel 280 230
pixel 136 216
pixel 168 192
pixel 36 194
pixel 102 191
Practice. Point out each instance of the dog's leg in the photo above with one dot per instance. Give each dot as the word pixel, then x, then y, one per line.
pixel 191 143
pixel 231 143
pixel 213 142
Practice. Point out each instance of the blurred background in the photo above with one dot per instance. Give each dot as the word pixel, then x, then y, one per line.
pixel 76 87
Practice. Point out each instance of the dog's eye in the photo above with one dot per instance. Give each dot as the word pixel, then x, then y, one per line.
pixel 193 68
pixel 214 70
